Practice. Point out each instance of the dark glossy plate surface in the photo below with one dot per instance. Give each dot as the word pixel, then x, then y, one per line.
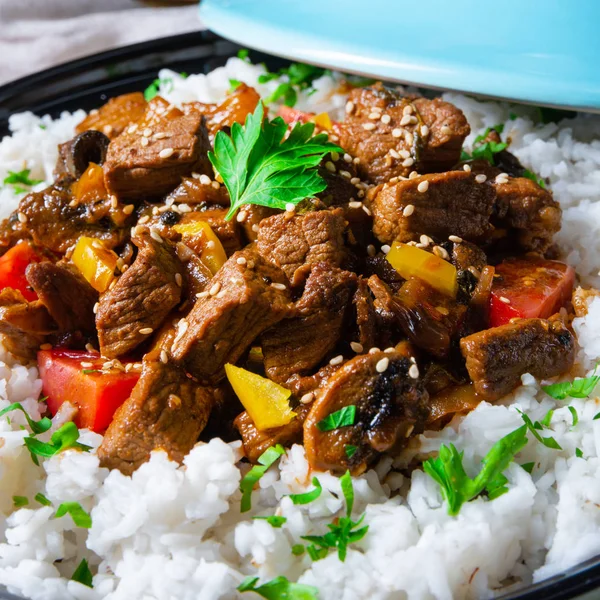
pixel 88 82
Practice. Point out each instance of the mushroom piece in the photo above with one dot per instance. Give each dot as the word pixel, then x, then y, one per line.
pixel 391 403
pixel 75 155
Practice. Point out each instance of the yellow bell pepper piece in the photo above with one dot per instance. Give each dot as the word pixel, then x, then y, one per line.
pixel 410 261
pixel 95 262
pixel 266 402
pixel 323 121
pixel 213 255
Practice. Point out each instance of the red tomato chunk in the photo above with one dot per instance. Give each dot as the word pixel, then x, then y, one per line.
pixel 12 269
pixel 529 288
pixel 97 395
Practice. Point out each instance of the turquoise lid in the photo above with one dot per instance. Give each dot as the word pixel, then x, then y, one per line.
pixel 538 51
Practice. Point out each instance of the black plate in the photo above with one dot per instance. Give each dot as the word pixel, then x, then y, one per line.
pixel 88 82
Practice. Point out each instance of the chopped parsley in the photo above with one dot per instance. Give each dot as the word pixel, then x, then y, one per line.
pixel 578 452
pixel 265 460
pixel 457 487
pixel 300 77
pixel 297 549
pixel 308 497
pixel 528 467
pixel 535 427
pixel 42 499
pixel 243 54
pixel 273 520
pixel 279 589
pixel 234 84
pixel 547 418
pixel 574 415
pixel 344 417
pixel 63 438
pixel 259 166
pixel 19 501
pixel 90 371
pixel 483 149
pixel 596 417
pixel 37 427
pixel 20 181
pixel 350 450
pixel 167 83
pixel 342 532
pixel 80 517
pixel 531 175
pixel 83 574
pixel 579 388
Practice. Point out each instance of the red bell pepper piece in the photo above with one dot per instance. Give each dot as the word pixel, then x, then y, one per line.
pixel 293 115
pixel 529 288
pixel 12 269
pixel 97 395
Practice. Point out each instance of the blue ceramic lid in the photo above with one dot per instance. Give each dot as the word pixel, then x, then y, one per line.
pixel 539 51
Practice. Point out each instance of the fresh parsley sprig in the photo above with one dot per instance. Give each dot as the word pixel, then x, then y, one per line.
pixel 535 427
pixel 457 487
pixel 259 167
pixel 300 77
pixel 579 388
pixel 279 589
pixel 265 460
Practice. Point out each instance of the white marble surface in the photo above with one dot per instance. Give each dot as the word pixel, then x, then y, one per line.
pixel 36 34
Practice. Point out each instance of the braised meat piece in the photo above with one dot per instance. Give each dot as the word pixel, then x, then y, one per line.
pixel 295 242
pixel 166 411
pixel 256 441
pixel 246 297
pixel 466 256
pixel 378 265
pixel 23 325
pixel 437 205
pixel 75 155
pixel 391 404
pixel 496 358
pixel 141 298
pixel 69 298
pixel 254 214
pixel 200 190
pixel 50 219
pixel 176 144
pixel 407 135
pixel 528 212
pixel 299 344
pixel 112 118
pixel 366 317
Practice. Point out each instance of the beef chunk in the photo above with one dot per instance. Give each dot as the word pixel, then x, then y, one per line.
pixel 378 265
pixel 24 325
pixel 299 344
pixel 137 170
pixel 112 118
pixel 166 410
pixel 528 212
pixel 466 256
pixel 496 358
pixel 295 242
pixel 51 220
pixel 452 204
pixel 256 441
pixel 68 297
pixel 247 296
pixel 430 142
pixel 142 297
pixel 390 406
pixel 254 215
pixel 366 317
pixel 200 191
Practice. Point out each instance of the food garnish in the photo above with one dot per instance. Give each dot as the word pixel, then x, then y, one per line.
pixel 265 460
pixel 80 517
pixel 83 574
pixel 42 499
pixel 273 520
pixel 300 77
pixel 19 501
pixel 535 427
pixel 308 497
pixel 574 414
pixel 18 179
pixel 279 589
pixel 457 487
pixel 37 427
pixel 578 388
pixel 259 167
pixel 62 439
pixel 345 417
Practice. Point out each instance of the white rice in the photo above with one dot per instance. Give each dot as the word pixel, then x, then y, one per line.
pixel 173 531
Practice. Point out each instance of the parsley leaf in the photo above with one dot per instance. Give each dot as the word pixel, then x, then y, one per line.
pixel 547 418
pixel 152 90
pixel 243 53
pixel 80 517
pixel 83 574
pixel 579 388
pixel 63 438
pixel 340 418
pixel 40 426
pixel 265 460
pixel 578 452
pixel 234 84
pixel 308 497
pixel 42 499
pixel 341 533
pixel 273 520
pixel 350 450
pixel 534 427
pixel 300 77
pixel 574 415
pixel 457 487
pixel 19 501
pixel 531 175
pixel 485 150
pixel 297 549
pixel 259 167
pixel 596 417
pixel 279 589
pixel 528 467
pixel 20 177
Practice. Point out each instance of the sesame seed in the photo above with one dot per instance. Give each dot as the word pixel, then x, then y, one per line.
pixel 334 156
pixel 337 360
pixel 480 178
pixel 375 116
pixel 356 347
pixel 164 357
pixel 22 217
pixel 374 350
pixel 475 272
pixel 369 126
pixel 107 129
pixel 307 398
pixel 409 209
pixel 445 130
pixel 385 248
pixel 409 138
pixel 502 178
pixel 278 286
pixel 410 429
pixel 87 365
pixel 386 119
pixel 361 194
pixel 406 120
pixel 147 132
pixel 424 130
pixel 215 185
pixel 166 153
pixel 201 294
pixel 155 211
pixel 330 166
pixel 241 260
pixel 161 135
pixel 382 364
pixel 210 244
pixel 128 209
pixel 404 154
pixel 255 227
pixel 144 142
pixel 155 236
pixel 178 279
pixel 355 180
pixel 442 310
pixel 440 252
pixel 241 216
pixel 221 294
pixel 408 162
pixel 355 204
pixel 349 106
pixel 390 350
pixel 132 128
pixel 205 180
pixel 290 207
pixel 407 110
pixel 95 309
pixel 413 372
pixel 88 347
pixel 423 186
pixel 394 153
pixel 145 330
pixel 215 289
pixel 371 250
pixel 504 299
pixel 356 160
pixel 467 168
pixel 347 158
pixel 366 210
pixel 455 239
pixel 425 240
pixel 396 133
pixel 251 264
pixel 413 174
